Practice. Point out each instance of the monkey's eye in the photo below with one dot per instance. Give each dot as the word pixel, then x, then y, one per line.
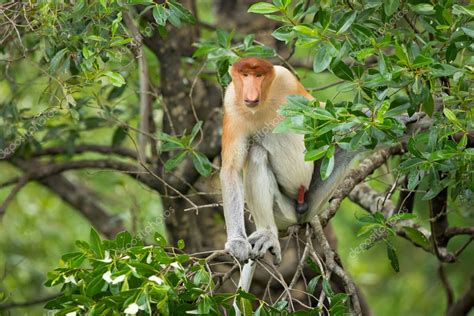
pixel 246 75
pixel 259 75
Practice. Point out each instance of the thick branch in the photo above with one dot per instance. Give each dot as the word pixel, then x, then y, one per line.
pixel 145 104
pixel 82 148
pixel 334 267
pixel 84 201
pixel 12 305
pixel 464 304
pixel 40 170
pixel 455 231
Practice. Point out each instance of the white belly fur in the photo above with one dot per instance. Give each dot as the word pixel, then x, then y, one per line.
pixel 286 155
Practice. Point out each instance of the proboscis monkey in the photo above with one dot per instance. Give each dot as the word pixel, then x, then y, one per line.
pixel 267 170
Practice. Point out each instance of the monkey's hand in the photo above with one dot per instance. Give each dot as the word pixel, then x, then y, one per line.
pixel 239 248
pixel 263 240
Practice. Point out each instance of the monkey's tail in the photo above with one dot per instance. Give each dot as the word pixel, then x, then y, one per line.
pixel 246 277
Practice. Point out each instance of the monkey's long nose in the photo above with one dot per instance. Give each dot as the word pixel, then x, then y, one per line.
pixel 251 103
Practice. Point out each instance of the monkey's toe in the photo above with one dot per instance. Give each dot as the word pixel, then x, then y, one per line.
pixel 239 248
pixel 263 240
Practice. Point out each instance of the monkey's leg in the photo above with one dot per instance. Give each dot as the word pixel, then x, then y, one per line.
pixel 260 189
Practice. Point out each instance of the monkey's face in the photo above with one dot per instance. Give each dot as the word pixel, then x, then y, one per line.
pixel 252 77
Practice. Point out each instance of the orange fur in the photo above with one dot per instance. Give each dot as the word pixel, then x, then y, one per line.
pixel 241 121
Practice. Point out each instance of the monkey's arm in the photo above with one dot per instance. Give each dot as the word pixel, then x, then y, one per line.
pixel 234 152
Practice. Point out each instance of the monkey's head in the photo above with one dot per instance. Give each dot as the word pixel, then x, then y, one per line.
pixel 252 78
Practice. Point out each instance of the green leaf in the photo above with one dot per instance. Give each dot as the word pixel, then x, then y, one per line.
pixel 422 8
pixel 401 53
pixel 463 10
pixel 57 60
pixel 95 286
pixel 428 101
pixel 223 72
pixel 414 178
pixel 96 243
pixel 86 52
pixel 283 33
pixel 368 228
pixel 160 14
pixel 115 78
pixel 468 29
pixel 202 164
pixel 195 131
pixel 323 57
pixel 401 217
pixel 176 160
pixel 343 71
pixel 123 238
pixel 281 305
pixel 307 30
pixel 160 239
pixel 170 140
pixel 321 114
pixel 181 244
pixel 223 38
pixel 327 288
pixel 119 136
pixel 411 163
pixel 259 51
pixel 360 137
pixel 391 6
pixel 451 116
pixel 451 53
pixel 421 61
pixel 316 154
pixel 392 256
pixel 263 8
pixel 412 148
pixel 282 4
pixel 366 219
pixel 416 236
pixel 313 283
pixel 181 12
pixel 346 21
pixel 327 167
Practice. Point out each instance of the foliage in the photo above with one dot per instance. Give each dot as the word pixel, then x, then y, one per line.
pixel 184 148
pixel 85 47
pixel 123 276
pixel 424 63
pixel 221 52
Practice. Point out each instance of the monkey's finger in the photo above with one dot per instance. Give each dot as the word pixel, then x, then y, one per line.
pixel 277 260
pixel 276 254
pixel 258 244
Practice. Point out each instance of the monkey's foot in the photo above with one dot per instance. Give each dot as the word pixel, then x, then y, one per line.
pixel 263 240
pixel 239 248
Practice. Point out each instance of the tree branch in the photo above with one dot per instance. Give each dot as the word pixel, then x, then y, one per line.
pixel 334 267
pixel 82 148
pixel 455 231
pixel 12 305
pixel 82 199
pixel 464 304
pixel 145 102
pixel 355 176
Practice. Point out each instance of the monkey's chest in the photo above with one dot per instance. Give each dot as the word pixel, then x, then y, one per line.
pixel 286 158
